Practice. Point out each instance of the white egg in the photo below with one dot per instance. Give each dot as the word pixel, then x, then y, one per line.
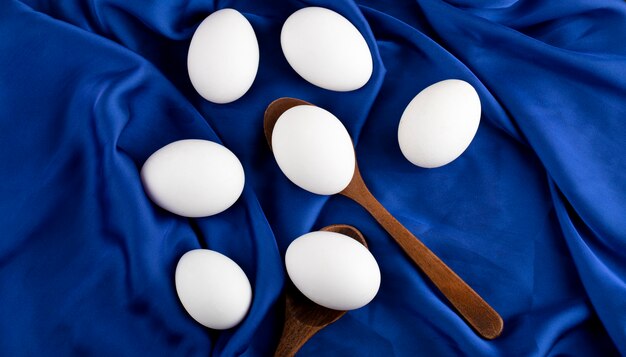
pixel 193 178
pixel 325 49
pixel 212 288
pixel 223 57
pixel 313 149
pixel 439 123
pixel 333 270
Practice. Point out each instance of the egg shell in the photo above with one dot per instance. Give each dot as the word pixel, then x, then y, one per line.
pixel 213 289
pixel 325 49
pixel 223 57
pixel 193 178
pixel 313 149
pixel 439 123
pixel 333 270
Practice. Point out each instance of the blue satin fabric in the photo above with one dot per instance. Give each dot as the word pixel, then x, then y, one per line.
pixel 532 215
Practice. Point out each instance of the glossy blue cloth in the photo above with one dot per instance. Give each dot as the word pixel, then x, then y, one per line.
pixel 533 214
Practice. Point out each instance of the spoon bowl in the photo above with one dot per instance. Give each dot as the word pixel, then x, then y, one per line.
pixel 476 311
pixel 303 317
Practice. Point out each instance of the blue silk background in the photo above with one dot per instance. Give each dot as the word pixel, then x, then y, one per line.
pixel 532 215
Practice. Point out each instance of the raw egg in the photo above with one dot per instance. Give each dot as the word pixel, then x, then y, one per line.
pixel 193 178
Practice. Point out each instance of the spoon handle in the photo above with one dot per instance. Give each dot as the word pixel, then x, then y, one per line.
pixel 294 336
pixel 303 319
pixel 478 314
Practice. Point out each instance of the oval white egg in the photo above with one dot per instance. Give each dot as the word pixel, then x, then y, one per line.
pixel 313 149
pixel 333 270
pixel 193 178
pixel 213 289
pixel 439 123
pixel 325 49
pixel 223 57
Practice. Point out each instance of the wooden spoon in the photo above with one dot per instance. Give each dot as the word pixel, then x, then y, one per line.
pixel 478 314
pixel 303 317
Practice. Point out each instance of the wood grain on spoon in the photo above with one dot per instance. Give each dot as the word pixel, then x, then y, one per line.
pixel 303 317
pixel 478 314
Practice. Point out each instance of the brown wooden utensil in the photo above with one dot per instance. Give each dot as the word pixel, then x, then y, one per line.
pixel 303 317
pixel 478 314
